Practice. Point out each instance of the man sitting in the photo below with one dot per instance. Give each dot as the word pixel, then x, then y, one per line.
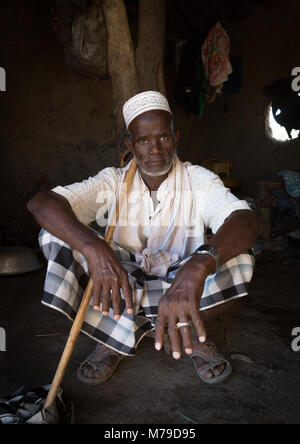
pixel 159 272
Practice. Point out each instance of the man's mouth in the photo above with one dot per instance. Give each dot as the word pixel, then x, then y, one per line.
pixel 154 161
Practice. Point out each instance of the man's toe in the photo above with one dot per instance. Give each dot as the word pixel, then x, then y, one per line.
pixel 218 370
pixel 208 375
pixel 88 371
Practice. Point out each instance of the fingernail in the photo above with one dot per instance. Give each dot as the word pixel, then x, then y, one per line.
pixel 157 346
pixel 116 317
pixel 105 313
pixel 96 307
pixel 176 355
pixel 188 351
pixel 202 339
pixel 129 311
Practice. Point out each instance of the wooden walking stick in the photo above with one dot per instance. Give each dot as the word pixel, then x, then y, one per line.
pixel 78 321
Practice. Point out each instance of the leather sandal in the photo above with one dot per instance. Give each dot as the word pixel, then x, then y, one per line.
pixel 102 362
pixel 211 359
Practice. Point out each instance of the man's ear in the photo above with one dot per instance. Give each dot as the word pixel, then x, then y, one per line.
pixel 128 144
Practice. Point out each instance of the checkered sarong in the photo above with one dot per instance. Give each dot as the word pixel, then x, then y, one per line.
pixel 67 277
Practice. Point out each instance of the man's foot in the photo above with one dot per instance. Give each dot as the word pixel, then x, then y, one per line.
pixel 99 366
pixel 210 366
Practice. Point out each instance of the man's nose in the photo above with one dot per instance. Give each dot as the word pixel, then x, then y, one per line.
pixel 155 145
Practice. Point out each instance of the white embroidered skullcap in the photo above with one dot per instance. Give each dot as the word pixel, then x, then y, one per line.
pixel 145 101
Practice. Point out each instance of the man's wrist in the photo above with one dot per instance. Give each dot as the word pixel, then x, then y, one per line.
pixel 205 262
pixel 208 249
pixel 89 242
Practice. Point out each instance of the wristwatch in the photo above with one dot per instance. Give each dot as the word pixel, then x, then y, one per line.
pixel 209 249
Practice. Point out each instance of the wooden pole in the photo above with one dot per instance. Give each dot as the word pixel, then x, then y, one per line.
pixel 151 46
pixel 121 61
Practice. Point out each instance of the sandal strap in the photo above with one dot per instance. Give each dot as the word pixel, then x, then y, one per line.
pixel 208 357
pixel 100 352
pixel 97 359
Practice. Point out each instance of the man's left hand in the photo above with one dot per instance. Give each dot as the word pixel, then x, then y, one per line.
pixel 181 303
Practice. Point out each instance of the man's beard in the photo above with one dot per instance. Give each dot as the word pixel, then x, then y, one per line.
pixel 166 170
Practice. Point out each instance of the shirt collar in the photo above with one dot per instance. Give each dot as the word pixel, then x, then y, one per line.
pixel 166 186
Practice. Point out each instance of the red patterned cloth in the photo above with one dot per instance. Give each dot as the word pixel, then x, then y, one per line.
pixel 215 55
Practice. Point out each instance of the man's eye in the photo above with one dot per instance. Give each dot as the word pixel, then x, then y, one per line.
pixel 164 137
pixel 143 140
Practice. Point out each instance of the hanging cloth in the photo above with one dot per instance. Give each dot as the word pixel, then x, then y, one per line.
pixel 215 56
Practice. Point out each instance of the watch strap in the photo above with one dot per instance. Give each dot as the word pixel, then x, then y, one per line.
pixel 210 249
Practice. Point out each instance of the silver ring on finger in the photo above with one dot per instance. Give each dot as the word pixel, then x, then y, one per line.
pixel 183 324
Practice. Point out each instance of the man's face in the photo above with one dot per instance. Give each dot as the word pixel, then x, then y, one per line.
pixel 153 142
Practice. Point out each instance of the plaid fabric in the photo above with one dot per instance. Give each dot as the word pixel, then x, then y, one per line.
pixel 67 277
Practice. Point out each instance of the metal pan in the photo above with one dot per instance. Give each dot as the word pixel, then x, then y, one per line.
pixel 18 260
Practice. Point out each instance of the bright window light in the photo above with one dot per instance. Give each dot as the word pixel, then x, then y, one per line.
pixel 279 132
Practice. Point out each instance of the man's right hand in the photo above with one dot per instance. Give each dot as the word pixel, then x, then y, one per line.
pixel 109 277
pixel 54 213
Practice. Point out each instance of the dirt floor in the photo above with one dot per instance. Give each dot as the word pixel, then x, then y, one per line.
pixel 154 388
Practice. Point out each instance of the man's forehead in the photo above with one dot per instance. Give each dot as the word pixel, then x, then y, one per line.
pixel 156 120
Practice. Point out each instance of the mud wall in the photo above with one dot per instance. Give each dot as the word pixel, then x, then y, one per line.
pixel 56 127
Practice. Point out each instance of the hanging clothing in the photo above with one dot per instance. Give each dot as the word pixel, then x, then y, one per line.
pixel 215 55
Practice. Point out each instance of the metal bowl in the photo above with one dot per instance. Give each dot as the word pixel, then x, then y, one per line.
pixel 18 260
